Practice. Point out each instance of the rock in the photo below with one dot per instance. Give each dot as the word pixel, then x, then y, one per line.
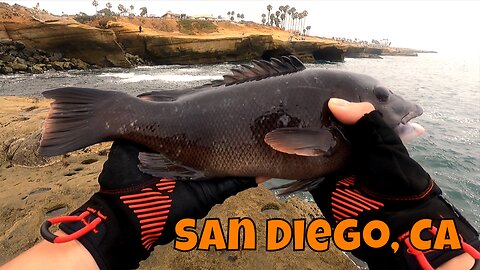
pixel 37 69
pixel 28 52
pixel 56 57
pixel 21 61
pixel 272 212
pixel 42 52
pixel 32 60
pixel 79 64
pixel 6 70
pixel 19 45
pixel 38 57
pixel 6 42
pixel 23 152
pixel 67 65
pixel 18 66
pixel 7 57
pixel 135 59
pixel 42 59
pixel 58 65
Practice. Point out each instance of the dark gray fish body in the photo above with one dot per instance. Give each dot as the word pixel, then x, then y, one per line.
pixel 278 126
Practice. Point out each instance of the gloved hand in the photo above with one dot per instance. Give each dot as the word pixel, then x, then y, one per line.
pixel 385 184
pixel 135 212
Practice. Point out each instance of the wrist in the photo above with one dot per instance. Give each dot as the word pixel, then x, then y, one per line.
pixel 113 243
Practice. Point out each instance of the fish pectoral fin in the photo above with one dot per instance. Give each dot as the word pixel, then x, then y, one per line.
pixel 160 166
pixel 301 141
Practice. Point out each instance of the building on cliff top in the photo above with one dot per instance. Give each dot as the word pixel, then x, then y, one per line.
pixel 172 16
pixel 206 17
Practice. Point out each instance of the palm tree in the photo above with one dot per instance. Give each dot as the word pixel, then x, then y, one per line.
pixel 122 9
pixel 269 8
pixel 295 17
pixel 272 18
pixel 285 10
pixel 263 18
pixel 277 22
pixel 228 13
pixel 291 12
pixel 308 29
pixel 299 26
pixel 131 10
pixel 280 8
pixel 95 4
pixel 242 16
pixel 304 15
pixel 143 11
pixel 108 5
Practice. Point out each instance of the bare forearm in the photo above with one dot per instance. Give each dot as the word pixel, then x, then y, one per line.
pixel 45 255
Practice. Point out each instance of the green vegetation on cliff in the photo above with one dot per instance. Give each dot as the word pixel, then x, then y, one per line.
pixel 192 27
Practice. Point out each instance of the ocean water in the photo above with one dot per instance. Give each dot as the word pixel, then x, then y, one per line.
pixel 446 86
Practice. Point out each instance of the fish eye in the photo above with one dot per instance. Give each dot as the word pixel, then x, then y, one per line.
pixel 381 93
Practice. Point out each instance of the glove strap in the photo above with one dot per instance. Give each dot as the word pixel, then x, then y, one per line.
pixel 89 226
pixel 119 227
pixel 423 258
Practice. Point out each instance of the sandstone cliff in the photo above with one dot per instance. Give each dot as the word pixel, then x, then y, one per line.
pixel 220 47
pixel 111 41
pixel 74 40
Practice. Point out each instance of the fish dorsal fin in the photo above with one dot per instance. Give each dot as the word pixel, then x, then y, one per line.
pixel 261 69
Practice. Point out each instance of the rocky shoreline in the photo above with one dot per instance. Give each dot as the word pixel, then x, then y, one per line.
pixel 15 57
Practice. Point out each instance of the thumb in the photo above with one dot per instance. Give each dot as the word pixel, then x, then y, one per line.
pixel 349 112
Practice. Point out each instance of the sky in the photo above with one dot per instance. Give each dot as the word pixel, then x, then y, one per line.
pixel 430 25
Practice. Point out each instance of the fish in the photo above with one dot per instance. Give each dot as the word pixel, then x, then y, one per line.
pixel 269 118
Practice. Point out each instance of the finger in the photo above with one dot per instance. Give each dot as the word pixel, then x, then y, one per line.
pixel 349 112
pixel 261 179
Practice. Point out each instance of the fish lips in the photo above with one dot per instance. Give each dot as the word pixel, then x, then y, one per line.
pixel 412 114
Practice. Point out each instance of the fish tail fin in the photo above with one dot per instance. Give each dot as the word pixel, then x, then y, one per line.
pixel 299 185
pixel 75 119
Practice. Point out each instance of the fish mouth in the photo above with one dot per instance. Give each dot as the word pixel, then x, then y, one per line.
pixel 409 116
pixel 408 131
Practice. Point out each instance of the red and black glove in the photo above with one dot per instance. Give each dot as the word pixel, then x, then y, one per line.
pixel 133 212
pixel 386 184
